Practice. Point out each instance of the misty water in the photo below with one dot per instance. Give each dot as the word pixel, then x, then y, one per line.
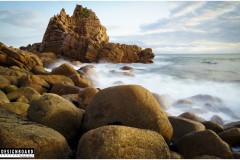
pixel 183 76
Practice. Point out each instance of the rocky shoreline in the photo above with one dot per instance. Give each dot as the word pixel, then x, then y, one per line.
pixel 62 115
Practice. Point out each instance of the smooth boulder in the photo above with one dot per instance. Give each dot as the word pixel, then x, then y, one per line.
pixel 213 126
pixel 182 126
pixel 117 142
pixel 18 132
pixel 231 136
pixel 64 69
pixel 204 142
pixel 57 113
pixel 192 117
pixel 128 105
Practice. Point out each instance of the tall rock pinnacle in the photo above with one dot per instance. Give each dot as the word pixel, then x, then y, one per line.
pixel 82 37
pixel 71 36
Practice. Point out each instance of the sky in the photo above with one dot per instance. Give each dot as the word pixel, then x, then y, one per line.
pixel 169 27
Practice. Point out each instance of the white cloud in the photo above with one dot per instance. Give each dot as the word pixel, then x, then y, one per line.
pixel 20 18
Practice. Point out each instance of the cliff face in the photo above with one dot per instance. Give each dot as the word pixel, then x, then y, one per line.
pixel 82 37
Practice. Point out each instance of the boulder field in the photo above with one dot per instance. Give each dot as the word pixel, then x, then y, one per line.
pixel 61 114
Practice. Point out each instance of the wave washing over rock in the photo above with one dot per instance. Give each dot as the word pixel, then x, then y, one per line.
pixel 53 100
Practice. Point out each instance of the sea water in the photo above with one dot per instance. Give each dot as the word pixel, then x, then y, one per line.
pixel 181 76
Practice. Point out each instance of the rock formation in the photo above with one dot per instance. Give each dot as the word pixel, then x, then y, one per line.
pixel 82 37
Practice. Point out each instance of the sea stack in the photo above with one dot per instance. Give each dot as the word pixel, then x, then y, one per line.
pixel 82 37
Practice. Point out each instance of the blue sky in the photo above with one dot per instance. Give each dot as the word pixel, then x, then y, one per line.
pixel 165 26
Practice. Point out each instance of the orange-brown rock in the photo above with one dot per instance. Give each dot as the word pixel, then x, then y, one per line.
pixel 82 37
pixel 204 142
pixel 64 69
pixel 16 57
pixel 121 142
pixel 128 105
pixel 85 96
pixel 64 88
pixel 17 132
pixel 80 80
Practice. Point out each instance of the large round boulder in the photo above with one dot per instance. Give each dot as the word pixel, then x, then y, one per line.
pixel 204 142
pixel 119 142
pixel 182 126
pixel 18 132
pixel 16 107
pixel 57 113
pixel 128 105
pixel 64 69
pixel 213 126
pixel 231 136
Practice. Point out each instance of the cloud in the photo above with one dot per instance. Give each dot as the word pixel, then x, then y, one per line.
pixel 195 27
pixel 20 18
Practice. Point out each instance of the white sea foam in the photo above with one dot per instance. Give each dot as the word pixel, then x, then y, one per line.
pixel 151 77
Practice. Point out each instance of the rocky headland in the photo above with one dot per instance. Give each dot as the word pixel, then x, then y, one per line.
pixel 61 114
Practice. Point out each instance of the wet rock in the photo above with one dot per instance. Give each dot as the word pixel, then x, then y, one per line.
pixel 192 117
pixel 80 80
pixel 122 73
pixel 85 96
pixel 117 142
pixel 213 126
pixel 231 136
pixel 64 69
pixel 16 107
pixel 164 101
pixel 128 105
pixel 47 143
pixel 217 119
pixel 57 113
pixel 64 88
pixel 207 102
pixel 182 126
pixel 28 92
pixel 49 59
pixel 204 142
pixel 3 98
pixel 127 68
pixel 231 125
pixel 39 70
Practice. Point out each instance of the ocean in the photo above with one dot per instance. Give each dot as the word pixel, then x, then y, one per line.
pixel 214 80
